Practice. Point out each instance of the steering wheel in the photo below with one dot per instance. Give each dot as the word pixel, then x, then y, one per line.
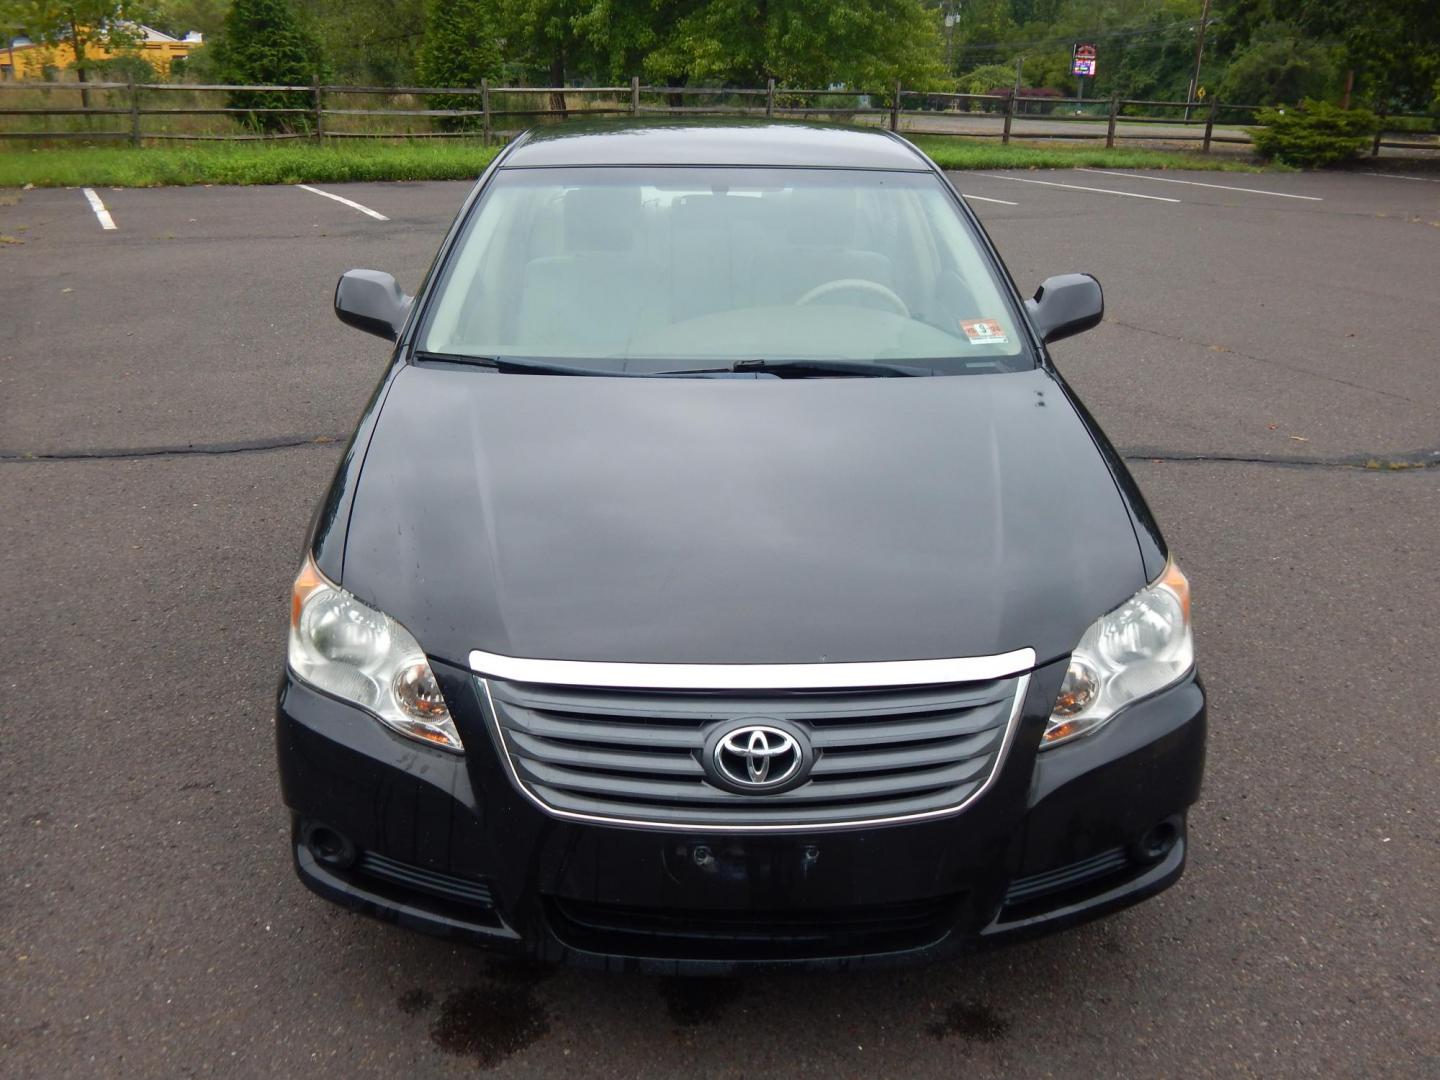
pixel 856 285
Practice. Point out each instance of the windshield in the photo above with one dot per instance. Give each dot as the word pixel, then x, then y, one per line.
pixel 642 270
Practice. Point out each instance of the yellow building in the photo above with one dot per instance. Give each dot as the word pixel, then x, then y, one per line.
pixel 25 59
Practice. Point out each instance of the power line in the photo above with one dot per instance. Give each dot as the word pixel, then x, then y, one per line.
pixel 1008 46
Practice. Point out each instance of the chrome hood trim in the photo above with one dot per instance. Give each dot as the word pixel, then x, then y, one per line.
pixel 751 676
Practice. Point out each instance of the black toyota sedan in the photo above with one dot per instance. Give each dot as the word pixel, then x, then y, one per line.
pixel 723 575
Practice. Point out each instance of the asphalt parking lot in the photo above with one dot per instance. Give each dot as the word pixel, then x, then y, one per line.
pixel 172 396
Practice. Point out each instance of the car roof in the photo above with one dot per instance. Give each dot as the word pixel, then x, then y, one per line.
pixel 701 142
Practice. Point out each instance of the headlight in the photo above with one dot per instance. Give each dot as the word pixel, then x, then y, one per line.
pixel 1142 646
pixel 346 648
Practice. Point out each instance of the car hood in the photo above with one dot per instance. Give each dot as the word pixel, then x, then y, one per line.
pixel 737 521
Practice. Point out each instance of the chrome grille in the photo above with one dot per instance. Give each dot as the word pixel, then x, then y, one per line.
pixel 634 757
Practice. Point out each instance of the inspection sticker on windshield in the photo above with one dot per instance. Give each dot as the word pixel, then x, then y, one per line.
pixel 984 332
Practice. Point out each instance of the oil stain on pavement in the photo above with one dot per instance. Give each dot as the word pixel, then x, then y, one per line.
pixel 414 1002
pixel 692 1002
pixel 971 1021
pixel 489 1023
pixel 518 971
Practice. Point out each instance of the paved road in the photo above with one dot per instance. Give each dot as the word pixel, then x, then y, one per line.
pixel 1023 127
pixel 150 921
pixel 1226 138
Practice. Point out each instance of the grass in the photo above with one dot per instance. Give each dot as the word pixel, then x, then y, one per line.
pixel 243 163
pixel 337 162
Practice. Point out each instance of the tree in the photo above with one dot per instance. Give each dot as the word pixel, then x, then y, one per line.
pixel 1152 57
pixel 84 25
pixel 541 41
pixel 367 42
pixel 460 48
pixel 178 17
pixel 864 44
pixel 982 34
pixel 986 77
pixel 264 42
pixel 1278 66
pixel 1145 47
pixel 1392 46
pixel 614 37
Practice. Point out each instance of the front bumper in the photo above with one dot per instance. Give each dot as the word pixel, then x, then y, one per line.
pixel 447 845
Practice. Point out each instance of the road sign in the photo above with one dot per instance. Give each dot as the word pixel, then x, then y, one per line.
pixel 1082 60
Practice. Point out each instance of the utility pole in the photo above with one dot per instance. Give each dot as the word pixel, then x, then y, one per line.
pixel 1199 53
pixel 951 18
pixel 949 22
pixel 1014 98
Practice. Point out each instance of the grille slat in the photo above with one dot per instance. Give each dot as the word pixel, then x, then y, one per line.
pixel 1036 885
pixel 435 882
pixel 687 707
pixel 639 756
pixel 892 732
pixel 650 737
pixel 762 814
pixel 554 752
pixel 663 791
pixel 835 762
pixel 750 933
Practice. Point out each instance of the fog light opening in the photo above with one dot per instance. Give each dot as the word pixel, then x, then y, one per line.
pixel 1159 841
pixel 327 846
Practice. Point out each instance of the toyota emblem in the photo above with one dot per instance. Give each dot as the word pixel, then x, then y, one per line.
pixel 759 757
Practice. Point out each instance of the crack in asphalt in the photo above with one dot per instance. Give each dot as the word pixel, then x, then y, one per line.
pixel 1226 350
pixel 218 449
pixel 1414 459
pixel 1378 462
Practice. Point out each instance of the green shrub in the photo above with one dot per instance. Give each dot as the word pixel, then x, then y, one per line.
pixel 264 42
pixel 461 47
pixel 121 67
pixel 1315 134
pixel 982 79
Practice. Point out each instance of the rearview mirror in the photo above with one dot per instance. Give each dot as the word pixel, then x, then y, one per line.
pixel 1066 304
pixel 371 300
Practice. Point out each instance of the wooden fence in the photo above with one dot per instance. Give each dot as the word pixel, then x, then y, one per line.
pixel 139 112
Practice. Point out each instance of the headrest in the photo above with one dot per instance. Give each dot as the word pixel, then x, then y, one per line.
pixel 822 216
pixel 700 212
pixel 602 218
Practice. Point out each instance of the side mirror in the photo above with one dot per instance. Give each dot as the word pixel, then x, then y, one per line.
pixel 1066 304
pixel 371 300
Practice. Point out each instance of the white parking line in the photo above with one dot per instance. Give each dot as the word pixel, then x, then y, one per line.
pixel 984 198
pixel 1401 176
pixel 106 221
pixel 348 202
pixel 1197 183
pixel 1078 187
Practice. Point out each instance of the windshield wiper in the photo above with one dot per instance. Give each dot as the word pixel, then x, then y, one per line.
pixel 754 367
pixel 801 368
pixel 529 366
pixel 517 363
